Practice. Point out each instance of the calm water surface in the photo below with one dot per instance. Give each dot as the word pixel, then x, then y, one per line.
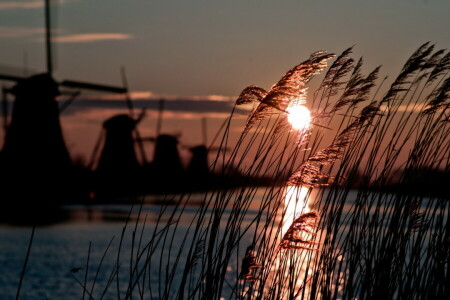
pixel 60 249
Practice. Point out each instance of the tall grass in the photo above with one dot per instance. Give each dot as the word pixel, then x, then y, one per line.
pixel 383 244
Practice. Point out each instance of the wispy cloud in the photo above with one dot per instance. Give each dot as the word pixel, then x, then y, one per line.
pixel 21 4
pixel 148 95
pixel 180 105
pixel 14 32
pixel 27 4
pixel 91 37
pixel 208 97
pixel 150 101
pixel 26 32
pixel 136 95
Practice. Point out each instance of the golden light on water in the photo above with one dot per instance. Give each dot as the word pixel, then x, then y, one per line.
pixel 295 204
pixel 299 117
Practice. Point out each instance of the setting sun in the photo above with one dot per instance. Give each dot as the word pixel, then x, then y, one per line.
pixel 299 117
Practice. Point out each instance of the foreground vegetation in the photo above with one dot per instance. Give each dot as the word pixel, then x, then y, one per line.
pixel 378 246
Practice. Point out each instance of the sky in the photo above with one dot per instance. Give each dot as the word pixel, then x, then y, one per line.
pixel 202 50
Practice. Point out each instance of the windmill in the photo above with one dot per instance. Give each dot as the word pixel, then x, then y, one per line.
pixel 33 139
pixel 165 147
pixel 66 83
pixel 165 154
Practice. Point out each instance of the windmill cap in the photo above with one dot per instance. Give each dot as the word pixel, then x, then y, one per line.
pixel 41 85
pixel 167 139
pixel 199 149
pixel 120 122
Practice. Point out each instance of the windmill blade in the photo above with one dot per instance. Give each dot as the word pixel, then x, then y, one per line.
pixel 96 150
pixel 11 77
pixel 51 18
pixel 89 86
pixel 204 131
pixel 131 110
pixel 141 115
pixel 127 96
pixel 74 84
pixel 72 97
pixel 48 37
pixel 54 25
pixel 93 86
pixel 160 116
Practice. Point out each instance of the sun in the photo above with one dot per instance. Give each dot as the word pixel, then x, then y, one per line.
pixel 299 117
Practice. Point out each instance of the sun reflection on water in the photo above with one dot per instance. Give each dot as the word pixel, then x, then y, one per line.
pixel 296 261
pixel 295 204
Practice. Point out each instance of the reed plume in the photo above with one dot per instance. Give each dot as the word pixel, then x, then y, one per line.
pixel 291 87
pixel 249 263
pixel 296 236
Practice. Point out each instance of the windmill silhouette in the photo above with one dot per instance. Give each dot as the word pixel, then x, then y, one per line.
pixel 166 164
pixel 34 152
pixel 42 85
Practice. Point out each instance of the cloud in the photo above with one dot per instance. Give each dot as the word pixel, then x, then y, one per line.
pixel 97 116
pixel 146 100
pixel 120 97
pixel 20 32
pixel 5 5
pixel 13 32
pixel 210 97
pixel 21 4
pixel 180 105
pixel 91 37
pixel 148 95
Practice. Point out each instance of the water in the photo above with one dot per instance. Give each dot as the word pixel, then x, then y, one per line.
pixel 56 250
pixel 59 250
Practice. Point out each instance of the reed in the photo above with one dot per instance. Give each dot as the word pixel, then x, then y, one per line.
pixel 389 242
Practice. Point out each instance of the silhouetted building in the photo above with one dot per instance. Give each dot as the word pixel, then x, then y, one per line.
pixel 35 165
pixel 34 139
pixel 198 166
pixel 165 173
pixel 166 159
pixel 118 170
pixel 118 155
